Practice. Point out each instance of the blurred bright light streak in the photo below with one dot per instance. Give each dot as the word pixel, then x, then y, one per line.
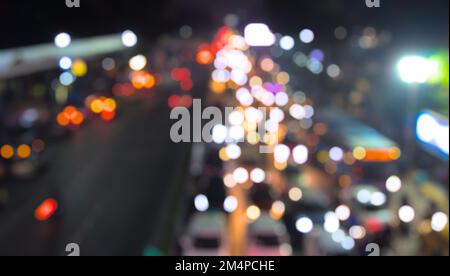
pixel 65 63
pixel 406 214
pixel 46 210
pixel 138 63
pixel 287 43
pixel 253 212
pixel 300 154
pixel 304 225
pixel 259 35
pixel 129 39
pixel 307 36
pixel 393 184
pixel 230 204
pixel 63 40
pixel 417 69
pixel 258 175
pixel 433 131
pixel 201 203
pixel 439 221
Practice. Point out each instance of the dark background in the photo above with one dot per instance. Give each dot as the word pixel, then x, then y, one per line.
pixel 31 22
pixel 120 185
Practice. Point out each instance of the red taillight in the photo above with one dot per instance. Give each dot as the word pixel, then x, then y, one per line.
pixel 46 209
pixel 374 225
pixel 108 116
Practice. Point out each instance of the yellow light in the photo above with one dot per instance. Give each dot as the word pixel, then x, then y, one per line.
pixel 295 194
pixel 24 151
pixel 97 106
pixel 395 153
pixel 138 63
pixel 277 211
pixel 7 152
pixel 217 87
pixel 359 153
pixel 282 132
pixel 253 138
pixel 283 78
pixel 110 105
pixel 323 156
pixel 79 68
pixel 250 126
pixel 425 227
pixel 280 166
pixel 253 212
pixel 256 81
pixel 142 80
pixel 223 155
pixel 271 139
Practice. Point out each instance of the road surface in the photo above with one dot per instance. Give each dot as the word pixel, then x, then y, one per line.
pixel 117 185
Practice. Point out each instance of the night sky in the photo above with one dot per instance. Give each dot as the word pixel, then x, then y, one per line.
pixel 31 22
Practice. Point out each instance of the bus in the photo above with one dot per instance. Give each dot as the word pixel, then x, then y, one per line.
pixel 369 155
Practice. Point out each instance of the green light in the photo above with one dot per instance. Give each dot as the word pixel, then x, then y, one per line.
pixel 152 252
pixel 433 70
pixel 441 75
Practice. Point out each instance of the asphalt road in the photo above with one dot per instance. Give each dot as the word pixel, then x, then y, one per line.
pixel 117 184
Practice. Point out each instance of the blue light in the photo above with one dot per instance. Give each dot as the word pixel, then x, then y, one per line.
pixel 433 131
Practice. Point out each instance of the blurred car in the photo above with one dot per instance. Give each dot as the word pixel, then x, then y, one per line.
pixel 25 169
pixel 438 196
pixel 206 235
pixel 26 121
pixel 268 237
pixel 28 160
pixel 24 127
pixel 369 206
pixel 312 204
pixel 32 122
